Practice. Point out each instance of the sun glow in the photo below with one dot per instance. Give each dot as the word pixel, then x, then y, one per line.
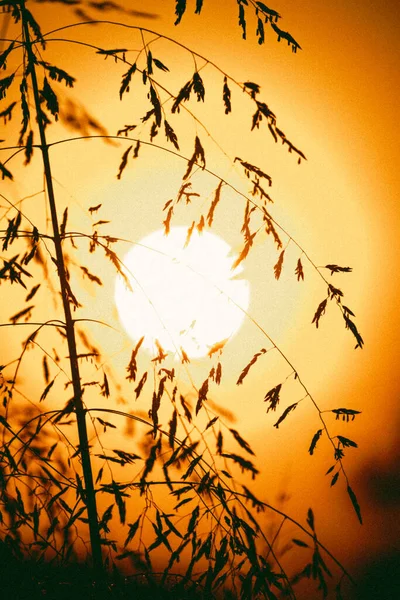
pixel 184 297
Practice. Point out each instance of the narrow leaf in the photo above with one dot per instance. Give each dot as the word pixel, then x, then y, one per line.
pixel 285 414
pixel 226 97
pixel 278 266
pixel 273 397
pixel 124 161
pixel 299 271
pixel 314 441
pixel 319 312
pixel 354 501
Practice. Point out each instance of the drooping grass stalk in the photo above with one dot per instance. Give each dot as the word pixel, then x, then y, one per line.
pixel 90 495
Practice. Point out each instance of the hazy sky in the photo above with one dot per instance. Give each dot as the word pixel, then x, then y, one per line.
pixel 337 100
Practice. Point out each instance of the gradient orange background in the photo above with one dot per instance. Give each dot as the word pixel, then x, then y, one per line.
pixel 336 100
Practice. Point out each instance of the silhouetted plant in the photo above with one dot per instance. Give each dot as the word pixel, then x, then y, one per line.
pixel 50 478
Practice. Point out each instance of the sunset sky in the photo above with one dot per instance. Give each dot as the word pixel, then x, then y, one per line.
pixel 336 99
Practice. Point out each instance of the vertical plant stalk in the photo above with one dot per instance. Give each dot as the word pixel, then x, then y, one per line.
pixel 90 495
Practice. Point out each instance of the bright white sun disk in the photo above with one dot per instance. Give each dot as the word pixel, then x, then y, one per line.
pixel 184 297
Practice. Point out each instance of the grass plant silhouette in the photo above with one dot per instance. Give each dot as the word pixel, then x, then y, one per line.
pixel 51 479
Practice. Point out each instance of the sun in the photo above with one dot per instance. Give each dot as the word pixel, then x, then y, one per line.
pixel 183 296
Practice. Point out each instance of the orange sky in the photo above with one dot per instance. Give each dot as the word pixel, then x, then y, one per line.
pixel 336 100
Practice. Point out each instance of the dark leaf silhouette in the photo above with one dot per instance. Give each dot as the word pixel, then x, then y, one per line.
pixel 126 80
pixel 203 391
pixel 150 462
pixel 57 74
pixel 346 413
pixel 347 311
pixel 252 88
pixel 256 503
pixel 310 519
pixel 336 269
pixel 270 13
pixel 218 374
pixel 160 65
pixel 132 366
pixel 270 228
pixel 244 464
pixel 4 85
pixel 156 105
pixel 5 173
pixel 198 158
pixel 334 292
pixel 23 88
pixel 285 414
pixel 226 97
pixel 105 388
pixel 186 410
pixel 29 148
pixel 319 312
pixel 105 424
pixel 286 36
pixel 260 31
pixel 136 149
pixel 220 443
pixel 170 134
pixel 133 527
pixel 172 429
pixel 279 264
pixel 180 7
pixel 353 328
pixel 300 543
pixel 299 270
pixel 12 231
pixel 33 292
pixel 90 276
pixel 193 521
pixel 34 26
pixel 242 443
pixel 47 390
pixel 124 162
pixel 46 372
pixel 183 96
pixel 7 112
pixel 211 422
pixel 119 498
pixel 249 168
pixel 273 397
pixel 50 98
pixel 346 443
pixel 314 441
pixel 112 52
pixel 198 87
pixel 127 129
pixel 25 312
pixel 247 368
pixel 354 501
pixel 4 56
pixel 191 467
pixel 335 478
pixel 242 18
pixel 199 6
pixel 216 199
